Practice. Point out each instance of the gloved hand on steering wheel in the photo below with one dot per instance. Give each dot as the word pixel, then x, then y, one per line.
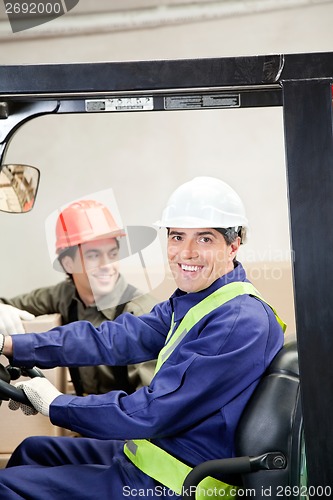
pixel 40 392
pixel 11 319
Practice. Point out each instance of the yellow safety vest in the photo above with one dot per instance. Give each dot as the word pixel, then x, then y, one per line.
pixel 154 461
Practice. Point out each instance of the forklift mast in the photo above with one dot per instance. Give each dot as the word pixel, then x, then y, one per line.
pixel 302 85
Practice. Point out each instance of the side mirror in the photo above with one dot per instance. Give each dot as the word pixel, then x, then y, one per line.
pixel 18 188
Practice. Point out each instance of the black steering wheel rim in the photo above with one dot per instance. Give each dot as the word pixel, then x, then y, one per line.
pixel 9 391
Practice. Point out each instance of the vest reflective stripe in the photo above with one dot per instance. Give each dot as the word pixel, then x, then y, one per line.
pixel 170 472
pixel 149 458
pixel 206 306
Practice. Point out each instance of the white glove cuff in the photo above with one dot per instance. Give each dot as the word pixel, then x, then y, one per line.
pixel 41 394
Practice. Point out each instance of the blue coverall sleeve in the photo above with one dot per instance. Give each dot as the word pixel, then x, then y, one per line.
pixel 127 340
pixel 217 361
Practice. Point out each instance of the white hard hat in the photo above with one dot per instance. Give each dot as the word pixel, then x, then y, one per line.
pixel 204 202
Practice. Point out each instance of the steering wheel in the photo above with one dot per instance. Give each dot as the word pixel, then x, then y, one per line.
pixel 8 391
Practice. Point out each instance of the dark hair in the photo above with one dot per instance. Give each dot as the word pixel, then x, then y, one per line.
pixel 70 252
pixel 229 233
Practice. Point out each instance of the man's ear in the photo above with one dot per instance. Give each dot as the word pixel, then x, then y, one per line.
pixel 234 247
pixel 68 264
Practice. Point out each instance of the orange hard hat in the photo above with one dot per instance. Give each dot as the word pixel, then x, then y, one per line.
pixel 84 221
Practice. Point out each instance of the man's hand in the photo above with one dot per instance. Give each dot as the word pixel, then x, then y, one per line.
pixel 11 319
pixel 40 392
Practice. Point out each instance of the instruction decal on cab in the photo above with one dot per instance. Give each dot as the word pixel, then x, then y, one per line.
pixel 120 104
pixel 202 101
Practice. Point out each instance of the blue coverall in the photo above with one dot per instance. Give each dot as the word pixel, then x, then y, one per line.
pixel 190 409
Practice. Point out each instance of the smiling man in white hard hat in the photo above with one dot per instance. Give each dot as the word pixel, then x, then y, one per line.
pixel 214 338
pixel 206 223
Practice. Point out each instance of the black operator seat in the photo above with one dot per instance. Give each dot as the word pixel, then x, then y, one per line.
pixel 269 438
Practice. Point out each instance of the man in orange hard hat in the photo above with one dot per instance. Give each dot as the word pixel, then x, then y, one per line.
pixel 87 248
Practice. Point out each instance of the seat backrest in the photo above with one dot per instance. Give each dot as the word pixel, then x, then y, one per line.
pixel 272 421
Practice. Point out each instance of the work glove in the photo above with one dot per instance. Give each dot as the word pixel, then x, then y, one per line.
pixel 11 319
pixel 40 392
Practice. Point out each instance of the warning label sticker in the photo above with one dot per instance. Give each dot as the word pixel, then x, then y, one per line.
pixel 120 104
pixel 202 101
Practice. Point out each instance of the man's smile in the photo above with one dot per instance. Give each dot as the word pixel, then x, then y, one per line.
pixel 190 268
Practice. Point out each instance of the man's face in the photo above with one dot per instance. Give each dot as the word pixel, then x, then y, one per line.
pixel 94 267
pixel 197 257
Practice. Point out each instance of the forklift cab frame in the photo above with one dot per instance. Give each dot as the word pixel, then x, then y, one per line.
pixel 299 83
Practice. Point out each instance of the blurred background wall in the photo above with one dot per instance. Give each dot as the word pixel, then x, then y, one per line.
pixel 142 157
